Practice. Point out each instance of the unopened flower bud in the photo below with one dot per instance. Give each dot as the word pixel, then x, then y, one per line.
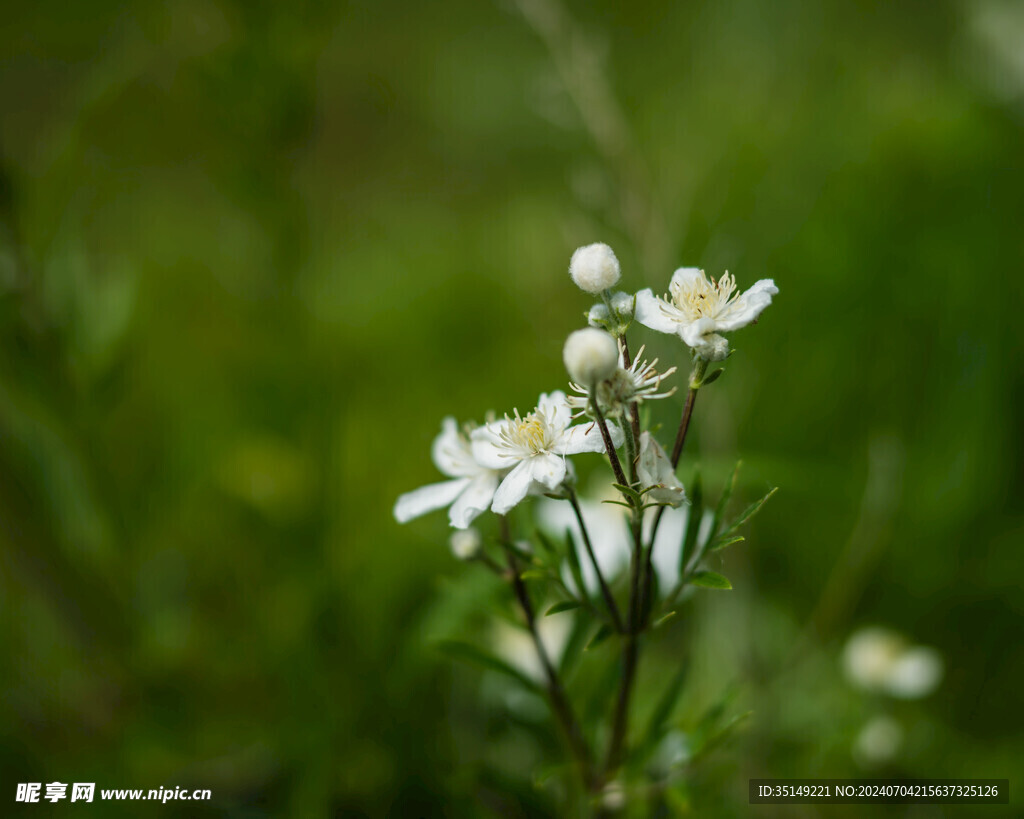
pixel 594 268
pixel 465 543
pixel 622 303
pixel 590 355
pixel 598 316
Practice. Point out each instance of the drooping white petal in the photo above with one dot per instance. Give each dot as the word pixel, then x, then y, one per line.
pixel 451 453
pixel 653 468
pixel 489 451
pixel 547 469
pixel 696 333
pixel 586 438
pixel 474 500
pixel 513 489
pixel 428 498
pixel 748 306
pixel 658 315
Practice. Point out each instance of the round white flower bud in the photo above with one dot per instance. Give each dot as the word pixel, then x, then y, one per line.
pixel 590 356
pixel 465 543
pixel 622 303
pixel 594 268
pixel 598 315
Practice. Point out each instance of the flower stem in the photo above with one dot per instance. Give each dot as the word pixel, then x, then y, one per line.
pixel 630 651
pixel 605 591
pixel 613 456
pixel 634 414
pixel 560 705
pixel 699 368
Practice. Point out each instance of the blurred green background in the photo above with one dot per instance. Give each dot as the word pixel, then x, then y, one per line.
pixel 251 253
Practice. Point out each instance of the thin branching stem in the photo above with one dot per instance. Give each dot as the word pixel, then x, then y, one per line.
pixel 606 592
pixel 560 705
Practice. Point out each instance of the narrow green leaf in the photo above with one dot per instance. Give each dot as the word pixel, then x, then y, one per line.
pixel 748 513
pixel 565 605
pixel 663 619
pixel 630 493
pixel 663 710
pixel 545 542
pixel 534 574
pixel 574 565
pixel 718 737
pixel 723 541
pixel 692 520
pixel 603 634
pixel 470 653
pixel 619 503
pixel 723 501
pixel 710 580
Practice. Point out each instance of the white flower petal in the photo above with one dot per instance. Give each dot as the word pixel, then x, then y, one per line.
pixel 547 469
pixel 428 498
pixel 451 453
pixel 658 315
pixel 474 500
pixel 686 276
pixel 748 306
pixel 488 449
pixel 555 407
pixel 586 438
pixel 655 469
pixel 697 333
pixel 513 489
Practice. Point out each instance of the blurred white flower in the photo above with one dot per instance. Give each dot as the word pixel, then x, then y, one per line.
pixel 878 741
pixel 515 645
pixel 534 448
pixel 609 535
pixel 594 268
pixel 669 541
pixel 590 355
pixel 653 468
pixel 465 543
pixel 469 494
pixel 698 309
pixel 883 661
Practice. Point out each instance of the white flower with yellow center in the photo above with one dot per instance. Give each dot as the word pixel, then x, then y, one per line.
pixel 641 382
pixel 534 448
pixel 469 493
pixel 698 309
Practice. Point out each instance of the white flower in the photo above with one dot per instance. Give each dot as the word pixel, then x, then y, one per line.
pixel 668 543
pixel 594 268
pixel 608 530
pixel 653 468
pixel 465 543
pixel 469 494
pixel 534 448
pixel 639 383
pixel 515 645
pixel 590 355
pixel 878 741
pixel 877 659
pixel 697 309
